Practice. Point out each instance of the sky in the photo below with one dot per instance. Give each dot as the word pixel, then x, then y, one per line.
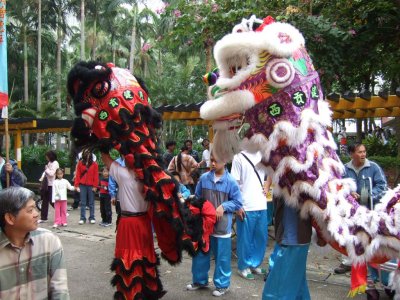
pixel 152 4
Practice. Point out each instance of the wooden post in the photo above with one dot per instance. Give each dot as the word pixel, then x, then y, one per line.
pixel 210 133
pixel 17 147
pixel 7 148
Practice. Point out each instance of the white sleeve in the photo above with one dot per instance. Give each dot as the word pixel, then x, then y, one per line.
pixel 69 186
pixel 114 170
pixel 236 168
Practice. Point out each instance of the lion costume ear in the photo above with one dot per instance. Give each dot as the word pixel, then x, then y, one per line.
pixel 279 39
pixel 282 39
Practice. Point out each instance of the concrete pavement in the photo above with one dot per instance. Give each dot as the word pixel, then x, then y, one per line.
pixel 89 251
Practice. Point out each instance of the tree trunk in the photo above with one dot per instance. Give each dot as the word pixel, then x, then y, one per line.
pixel 159 64
pixel 397 135
pixel 133 40
pixel 26 78
pixel 58 67
pixel 94 36
pixel 82 29
pixel 359 131
pixel 39 57
pixel 145 68
pixel 26 81
pixel 208 58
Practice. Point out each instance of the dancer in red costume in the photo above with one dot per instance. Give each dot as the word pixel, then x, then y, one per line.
pixel 134 241
pixel 113 111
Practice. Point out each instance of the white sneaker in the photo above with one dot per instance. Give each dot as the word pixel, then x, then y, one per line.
pixel 259 271
pixel 65 224
pixel 246 274
pixel 42 221
pixel 196 286
pixel 92 221
pixel 55 226
pixel 219 292
pixel 81 222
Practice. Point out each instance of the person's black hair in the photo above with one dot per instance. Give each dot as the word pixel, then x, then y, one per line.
pixel 12 200
pixel 169 144
pixel 202 143
pixel 87 157
pixel 354 147
pixel 179 158
pixel 190 141
pixel 51 155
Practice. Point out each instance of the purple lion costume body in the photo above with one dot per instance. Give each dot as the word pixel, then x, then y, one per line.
pixel 266 79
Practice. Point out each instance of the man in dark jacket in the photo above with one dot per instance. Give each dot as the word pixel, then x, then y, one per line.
pixel 17 178
pixel 371 185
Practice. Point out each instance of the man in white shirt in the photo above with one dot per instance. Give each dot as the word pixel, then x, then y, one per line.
pixel 251 224
pixel 205 158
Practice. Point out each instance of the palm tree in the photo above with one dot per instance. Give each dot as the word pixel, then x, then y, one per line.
pixel 39 57
pixel 21 21
pixel 82 29
pixel 136 26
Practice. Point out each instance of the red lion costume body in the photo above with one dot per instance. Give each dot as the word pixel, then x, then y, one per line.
pixel 114 112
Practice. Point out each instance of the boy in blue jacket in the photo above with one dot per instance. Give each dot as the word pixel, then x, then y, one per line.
pixel 222 190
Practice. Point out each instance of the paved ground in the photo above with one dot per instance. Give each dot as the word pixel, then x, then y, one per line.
pixel 89 251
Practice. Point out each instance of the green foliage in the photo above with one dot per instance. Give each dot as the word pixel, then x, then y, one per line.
pixel 375 147
pixel 386 162
pixel 35 155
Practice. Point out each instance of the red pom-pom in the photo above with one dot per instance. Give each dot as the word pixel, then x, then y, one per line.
pixel 266 21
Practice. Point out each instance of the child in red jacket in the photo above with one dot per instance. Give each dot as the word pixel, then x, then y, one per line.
pixel 86 182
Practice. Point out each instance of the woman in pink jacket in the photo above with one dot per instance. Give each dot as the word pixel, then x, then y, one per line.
pixel 50 174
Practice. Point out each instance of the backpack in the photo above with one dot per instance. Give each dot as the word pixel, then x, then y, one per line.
pixel 23 177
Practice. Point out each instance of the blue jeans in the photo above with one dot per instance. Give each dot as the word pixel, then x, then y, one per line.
pixel 252 239
pixel 87 194
pixel 287 274
pixel 221 248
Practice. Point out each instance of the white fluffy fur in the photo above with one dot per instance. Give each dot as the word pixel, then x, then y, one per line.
pixel 226 140
pixel 247 24
pixel 234 102
pixel 222 139
pixel 226 81
pixel 267 40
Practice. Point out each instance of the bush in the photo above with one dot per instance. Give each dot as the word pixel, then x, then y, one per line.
pixel 36 155
pixel 376 148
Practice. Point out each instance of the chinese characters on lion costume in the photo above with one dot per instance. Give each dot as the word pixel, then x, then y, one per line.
pixel 265 78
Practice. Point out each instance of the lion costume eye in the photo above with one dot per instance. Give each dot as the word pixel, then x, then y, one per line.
pixel 100 89
pixel 280 72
